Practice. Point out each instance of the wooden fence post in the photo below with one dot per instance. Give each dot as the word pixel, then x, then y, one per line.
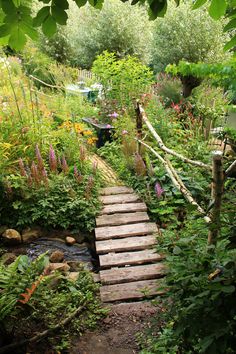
pixel 139 126
pixel 216 194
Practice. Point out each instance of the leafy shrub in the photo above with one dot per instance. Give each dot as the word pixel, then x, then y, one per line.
pixel 168 89
pixel 199 312
pixel 188 35
pixel 30 297
pixel 123 80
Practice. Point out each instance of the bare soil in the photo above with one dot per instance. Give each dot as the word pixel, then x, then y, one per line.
pixel 117 333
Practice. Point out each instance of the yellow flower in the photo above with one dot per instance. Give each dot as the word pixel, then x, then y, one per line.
pixel 88 132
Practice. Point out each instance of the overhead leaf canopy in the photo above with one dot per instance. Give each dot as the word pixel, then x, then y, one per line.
pixel 17 21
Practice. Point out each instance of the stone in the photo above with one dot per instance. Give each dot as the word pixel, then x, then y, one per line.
pixel 29 235
pixel 61 267
pixel 11 237
pixel 73 276
pixel 8 258
pixel 70 240
pixel 56 257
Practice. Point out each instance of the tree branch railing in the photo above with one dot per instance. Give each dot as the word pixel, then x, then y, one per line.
pixel 218 175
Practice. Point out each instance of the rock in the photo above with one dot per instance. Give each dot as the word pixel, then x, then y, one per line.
pixel 11 237
pixel 3 228
pixel 8 258
pixel 75 266
pixel 29 235
pixel 61 267
pixel 56 257
pixel 70 240
pixel 73 276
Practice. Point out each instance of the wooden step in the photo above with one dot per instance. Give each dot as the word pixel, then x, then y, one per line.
pixel 129 291
pixel 119 198
pixel 121 219
pixel 123 208
pixel 125 244
pixel 108 232
pixel 129 258
pixel 129 274
pixel 116 190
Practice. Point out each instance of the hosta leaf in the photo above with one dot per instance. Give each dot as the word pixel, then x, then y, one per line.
pixel 17 39
pixel 198 3
pixel 49 26
pixel 59 15
pixel 41 16
pixel 217 9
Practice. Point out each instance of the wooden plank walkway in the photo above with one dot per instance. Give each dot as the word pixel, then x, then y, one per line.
pixel 125 242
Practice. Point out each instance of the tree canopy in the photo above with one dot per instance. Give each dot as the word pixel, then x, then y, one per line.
pixel 18 21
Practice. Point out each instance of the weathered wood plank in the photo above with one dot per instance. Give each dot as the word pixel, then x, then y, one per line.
pixel 108 232
pixel 125 244
pixel 129 274
pixel 129 258
pixel 128 291
pixel 123 208
pixel 119 198
pixel 116 190
pixel 96 277
pixel 121 219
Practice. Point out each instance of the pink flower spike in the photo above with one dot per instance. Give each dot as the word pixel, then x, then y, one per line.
pixel 108 126
pixel 158 189
pixel 52 159
pixel 124 132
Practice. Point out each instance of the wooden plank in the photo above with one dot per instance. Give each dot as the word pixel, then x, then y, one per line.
pixel 119 198
pixel 121 219
pixel 125 244
pixel 123 208
pixel 116 190
pixel 128 291
pixel 129 258
pixel 96 277
pixel 129 274
pixel 108 232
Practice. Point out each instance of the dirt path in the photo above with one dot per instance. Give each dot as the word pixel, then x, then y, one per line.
pixel 117 333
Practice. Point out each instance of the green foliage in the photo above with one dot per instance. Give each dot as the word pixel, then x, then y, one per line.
pixel 200 318
pixel 168 89
pixel 188 35
pixel 123 80
pixel 53 297
pixel 18 23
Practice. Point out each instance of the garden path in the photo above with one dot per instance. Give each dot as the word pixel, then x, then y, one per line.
pixel 125 243
pixel 108 175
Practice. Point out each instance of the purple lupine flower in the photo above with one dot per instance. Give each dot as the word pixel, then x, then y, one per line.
pixel 39 158
pixel 64 166
pixel 158 190
pixel 52 159
pixel 22 168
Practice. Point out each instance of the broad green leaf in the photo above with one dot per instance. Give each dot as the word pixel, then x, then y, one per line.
pixel 49 26
pixel 5 30
pixel 231 25
pixel 41 16
pixel 63 4
pixel 231 44
pixel 134 2
pixel 17 39
pixel 29 30
pixel 157 8
pixel 4 41
pixel 229 289
pixel 198 3
pixel 217 9
pixel 8 6
pixel 59 15
pixel 17 3
pixel 80 3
